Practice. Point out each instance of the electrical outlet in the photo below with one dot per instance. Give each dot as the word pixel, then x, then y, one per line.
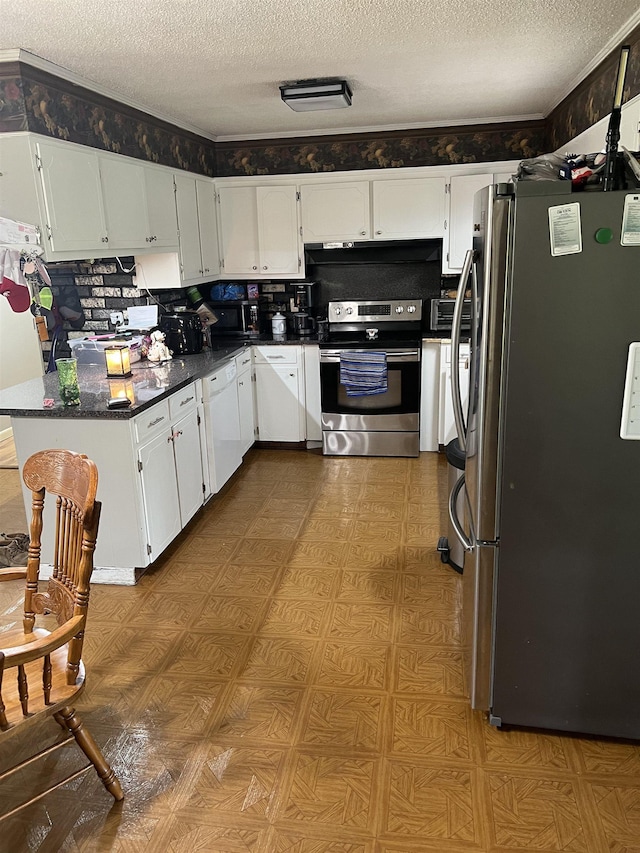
pixel 117 318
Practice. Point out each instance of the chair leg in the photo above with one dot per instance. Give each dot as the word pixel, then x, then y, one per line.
pixel 87 744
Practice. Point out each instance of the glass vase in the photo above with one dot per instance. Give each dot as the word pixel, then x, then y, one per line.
pixel 68 381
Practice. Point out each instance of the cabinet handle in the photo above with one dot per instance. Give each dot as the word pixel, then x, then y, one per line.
pixel 206 269
pixel 378 232
pixel 105 239
pixel 292 374
pixel 157 421
pixel 187 400
pixel 264 268
pixel 154 237
pixel 275 356
pixel 241 384
pixel 246 361
pixel 254 267
pixel 213 379
pixel 363 233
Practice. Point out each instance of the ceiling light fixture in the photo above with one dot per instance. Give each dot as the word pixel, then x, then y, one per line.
pixel 316 95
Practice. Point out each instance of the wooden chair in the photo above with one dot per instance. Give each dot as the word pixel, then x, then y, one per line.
pixel 41 671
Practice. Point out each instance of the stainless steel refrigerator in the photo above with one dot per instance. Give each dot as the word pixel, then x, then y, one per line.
pixel 551 584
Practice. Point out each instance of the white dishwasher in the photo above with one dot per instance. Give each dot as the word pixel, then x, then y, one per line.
pixel 222 425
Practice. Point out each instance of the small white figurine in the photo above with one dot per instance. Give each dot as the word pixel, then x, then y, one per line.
pixel 158 351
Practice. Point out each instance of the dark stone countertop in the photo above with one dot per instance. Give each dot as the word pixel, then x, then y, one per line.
pixel 150 383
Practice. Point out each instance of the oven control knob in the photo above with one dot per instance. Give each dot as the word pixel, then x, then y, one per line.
pixel 349 310
pixel 338 310
pixel 411 309
pixel 400 309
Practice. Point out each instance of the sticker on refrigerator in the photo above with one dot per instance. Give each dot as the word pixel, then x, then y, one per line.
pixel 631 221
pixel 565 230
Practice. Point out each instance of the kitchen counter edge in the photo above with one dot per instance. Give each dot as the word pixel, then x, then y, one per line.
pixel 157 381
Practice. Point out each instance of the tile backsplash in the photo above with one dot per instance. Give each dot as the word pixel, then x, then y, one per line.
pixel 85 294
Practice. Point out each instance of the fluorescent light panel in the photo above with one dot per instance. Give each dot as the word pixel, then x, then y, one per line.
pixel 303 97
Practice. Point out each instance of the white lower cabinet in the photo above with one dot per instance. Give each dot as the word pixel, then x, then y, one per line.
pixel 222 424
pixel 171 466
pixel 447 427
pixel 161 507
pixel 246 400
pixel 280 397
pixel 312 402
pixel 429 395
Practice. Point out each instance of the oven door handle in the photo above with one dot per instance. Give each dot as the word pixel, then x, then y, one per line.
pixel 334 355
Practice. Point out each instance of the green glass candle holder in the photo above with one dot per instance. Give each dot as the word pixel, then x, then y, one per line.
pixel 68 381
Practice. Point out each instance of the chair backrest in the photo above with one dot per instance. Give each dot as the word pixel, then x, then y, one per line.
pixel 72 479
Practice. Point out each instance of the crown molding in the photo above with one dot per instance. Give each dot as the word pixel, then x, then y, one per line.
pixel 616 40
pixel 28 58
pixel 385 128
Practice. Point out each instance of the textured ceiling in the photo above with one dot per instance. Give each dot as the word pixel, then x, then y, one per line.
pixel 216 65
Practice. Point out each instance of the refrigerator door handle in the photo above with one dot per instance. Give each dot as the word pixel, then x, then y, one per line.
pixel 467 544
pixel 458 414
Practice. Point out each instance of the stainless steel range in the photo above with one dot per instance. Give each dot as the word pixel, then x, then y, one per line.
pixel 370 378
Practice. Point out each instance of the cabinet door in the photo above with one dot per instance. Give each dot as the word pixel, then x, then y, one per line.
pixel 187 208
pixel 161 208
pixel 246 410
pixel 188 462
pixel 408 209
pixel 280 409
pixel 238 230
pixel 208 227
pixel 73 198
pixel 160 492
pixel 430 395
pixel 447 425
pixel 460 224
pixel 278 230
pixel 338 211
pixel 125 208
pixel 311 355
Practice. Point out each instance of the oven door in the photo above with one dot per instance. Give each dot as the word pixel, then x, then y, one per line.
pixel 401 399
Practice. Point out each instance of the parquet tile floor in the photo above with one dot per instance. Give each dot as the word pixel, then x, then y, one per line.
pixel 288 679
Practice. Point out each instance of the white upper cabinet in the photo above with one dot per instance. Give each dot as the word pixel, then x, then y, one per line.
pixel 408 209
pixel 278 231
pixel 139 203
pixel 195 203
pixel 72 197
pixel 238 230
pixel 161 208
pixel 123 193
pixel 460 223
pixel 207 227
pixel 259 231
pixel 336 211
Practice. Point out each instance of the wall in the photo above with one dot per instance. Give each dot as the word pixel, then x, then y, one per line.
pixel 20 358
pixel 32 99
pixel 591 100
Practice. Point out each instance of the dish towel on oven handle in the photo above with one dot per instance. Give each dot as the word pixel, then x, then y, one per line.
pixel 363 372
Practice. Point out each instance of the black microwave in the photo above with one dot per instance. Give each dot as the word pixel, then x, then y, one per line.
pixel 442 314
pixel 237 318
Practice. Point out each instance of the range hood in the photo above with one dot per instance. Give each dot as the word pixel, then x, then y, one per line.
pixel 375 252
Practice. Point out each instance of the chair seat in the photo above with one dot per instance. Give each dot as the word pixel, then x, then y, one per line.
pixel 62 694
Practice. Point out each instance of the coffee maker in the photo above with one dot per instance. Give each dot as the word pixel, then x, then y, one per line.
pixel 303 297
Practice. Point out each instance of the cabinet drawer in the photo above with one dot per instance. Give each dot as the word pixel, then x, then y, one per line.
pixel 152 421
pixel 183 402
pixel 243 361
pixel 276 355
